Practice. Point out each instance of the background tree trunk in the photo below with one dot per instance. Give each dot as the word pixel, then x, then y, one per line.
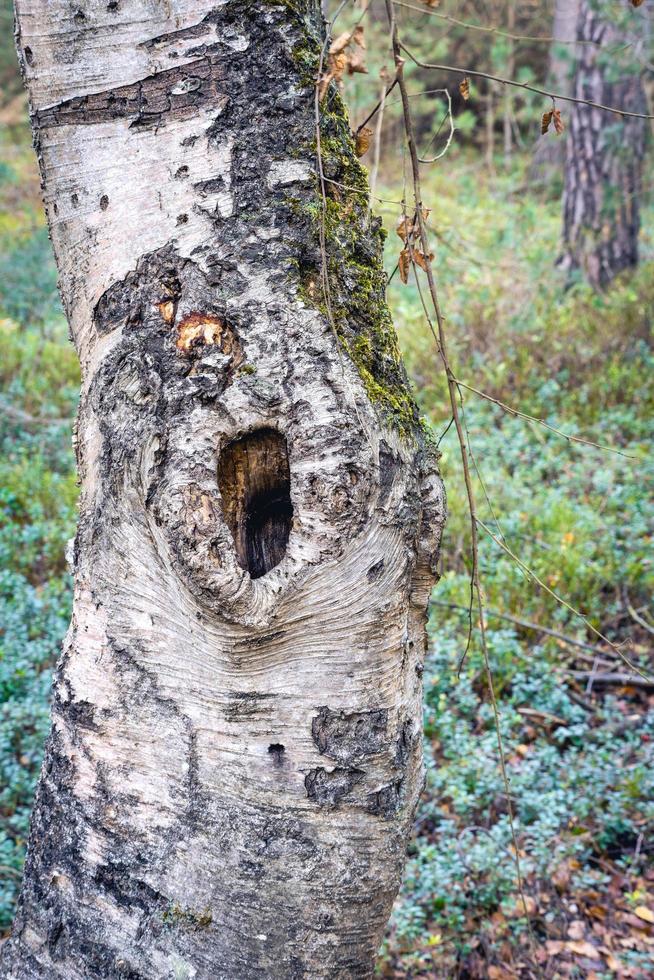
pixel 604 154
pixel 235 752
pixel 549 153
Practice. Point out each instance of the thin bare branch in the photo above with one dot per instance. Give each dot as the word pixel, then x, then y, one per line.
pixel 537 628
pixel 532 418
pixel 563 602
pixel 554 96
pixel 486 30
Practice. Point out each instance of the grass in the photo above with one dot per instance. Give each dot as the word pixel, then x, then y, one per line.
pixel 580 760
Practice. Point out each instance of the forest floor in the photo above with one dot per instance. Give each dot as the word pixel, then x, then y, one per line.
pixel 578 731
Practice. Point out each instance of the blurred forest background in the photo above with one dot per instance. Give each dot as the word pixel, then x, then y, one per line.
pixel 530 332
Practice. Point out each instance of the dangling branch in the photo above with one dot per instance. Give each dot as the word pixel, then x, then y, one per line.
pixel 454 395
pixel 523 85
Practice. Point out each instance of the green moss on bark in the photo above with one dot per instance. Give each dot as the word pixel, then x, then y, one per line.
pixel 354 243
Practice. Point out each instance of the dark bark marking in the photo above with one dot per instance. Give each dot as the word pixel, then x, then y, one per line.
pixel 174 93
pixel 405 743
pixel 348 736
pixel 327 788
pixel 385 802
pixel 389 466
pixel 255 483
pixel 376 570
pixel 276 751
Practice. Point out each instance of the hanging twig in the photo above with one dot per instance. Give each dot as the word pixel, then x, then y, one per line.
pixel 378 106
pixel 454 395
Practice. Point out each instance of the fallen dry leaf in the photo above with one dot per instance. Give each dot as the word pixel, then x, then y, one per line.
pixel 583 948
pixel 576 929
pixel 497 973
pixel 645 914
pixel 554 947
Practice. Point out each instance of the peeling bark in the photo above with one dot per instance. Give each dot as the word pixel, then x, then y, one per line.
pixel 235 752
pixel 604 154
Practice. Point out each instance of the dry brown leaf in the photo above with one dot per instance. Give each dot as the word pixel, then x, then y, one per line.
pixel 614 963
pixel 519 908
pixel 497 973
pixel 545 121
pixel 464 88
pixel 561 876
pixel 357 36
pixel 558 122
pixel 582 948
pixel 404 263
pixel 554 947
pixel 340 43
pixel 576 929
pixel 340 59
pixel 645 914
pixel 362 140
pixel 357 63
pixel 409 227
pixel 419 259
pixel 635 922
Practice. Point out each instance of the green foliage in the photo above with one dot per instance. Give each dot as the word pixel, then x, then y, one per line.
pixel 583 790
pixel 39 378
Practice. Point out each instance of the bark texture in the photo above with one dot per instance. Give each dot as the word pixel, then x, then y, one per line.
pixel 604 153
pixel 235 753
pixel 549 152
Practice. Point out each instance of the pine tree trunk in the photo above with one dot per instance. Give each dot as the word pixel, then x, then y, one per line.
pixel 604 153
pixel 235 752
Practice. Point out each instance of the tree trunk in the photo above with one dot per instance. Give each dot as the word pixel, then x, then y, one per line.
pixel 235 753
pixel 604 153
pixel 549 152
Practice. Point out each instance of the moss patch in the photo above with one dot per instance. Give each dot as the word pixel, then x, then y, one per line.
pixel 354 243
pixel 178 915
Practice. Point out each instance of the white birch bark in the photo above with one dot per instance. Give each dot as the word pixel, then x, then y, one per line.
pixel 235 753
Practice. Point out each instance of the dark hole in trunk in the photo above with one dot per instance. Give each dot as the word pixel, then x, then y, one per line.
pixel 255 484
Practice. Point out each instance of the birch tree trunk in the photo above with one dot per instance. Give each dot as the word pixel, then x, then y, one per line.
pixel 549 153
pixel 604 154
pixel 235 753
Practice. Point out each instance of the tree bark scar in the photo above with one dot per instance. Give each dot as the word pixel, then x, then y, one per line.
pixel 350 736
pixel 176 93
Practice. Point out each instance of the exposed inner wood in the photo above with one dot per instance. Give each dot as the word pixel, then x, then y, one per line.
pixel 254 479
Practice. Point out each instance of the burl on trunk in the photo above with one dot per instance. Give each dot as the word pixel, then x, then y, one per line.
pixel 235 753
